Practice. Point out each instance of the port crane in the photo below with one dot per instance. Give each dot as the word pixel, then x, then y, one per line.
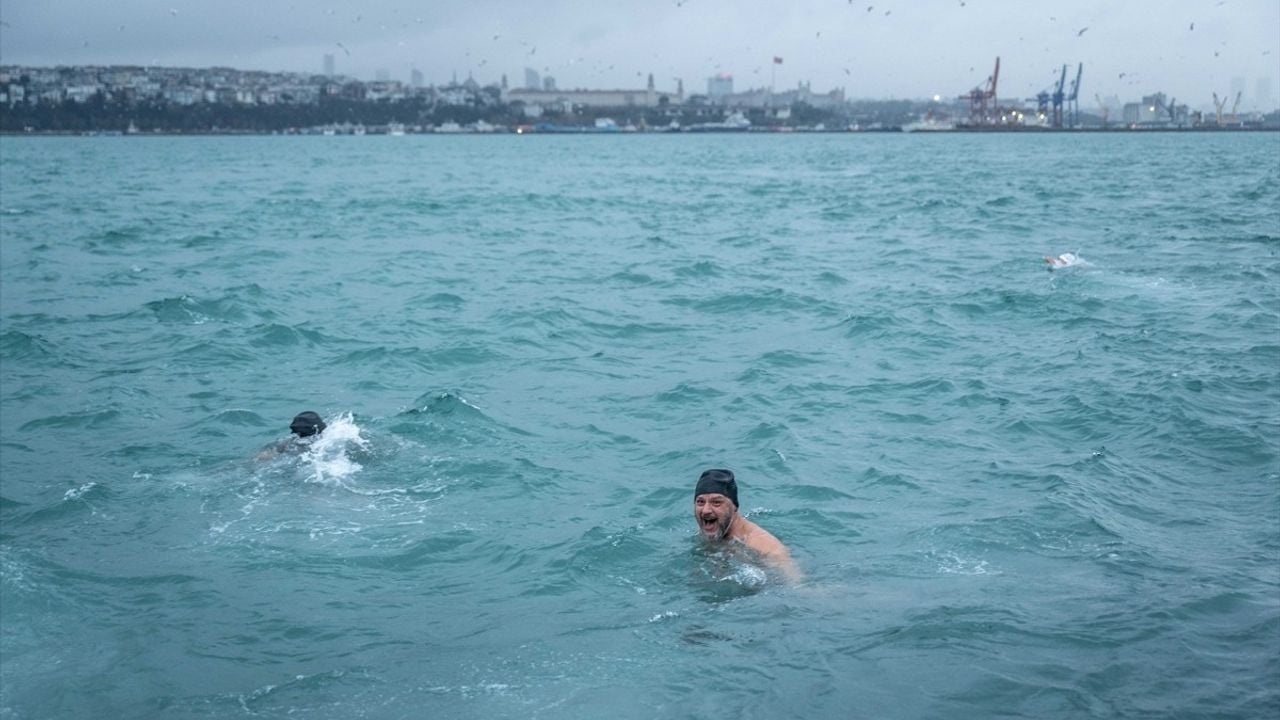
pixel 1044 99
pixel 978 98
pixel 1073 100
pixel 1236 106
pixel 1217 104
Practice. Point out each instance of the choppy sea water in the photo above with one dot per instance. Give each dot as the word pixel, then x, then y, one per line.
pixel 1013 492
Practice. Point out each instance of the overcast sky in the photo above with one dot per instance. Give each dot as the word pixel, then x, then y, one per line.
pixel 872 48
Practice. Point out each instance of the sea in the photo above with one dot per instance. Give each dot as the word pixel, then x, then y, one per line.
pixel 1012 490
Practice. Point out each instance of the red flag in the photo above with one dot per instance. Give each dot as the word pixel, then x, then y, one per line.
pixel 777 60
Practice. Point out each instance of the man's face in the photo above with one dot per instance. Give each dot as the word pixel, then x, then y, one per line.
pixel 714 513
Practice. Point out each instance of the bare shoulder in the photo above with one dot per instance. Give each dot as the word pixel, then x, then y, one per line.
pixel 769 548
pixel 762 541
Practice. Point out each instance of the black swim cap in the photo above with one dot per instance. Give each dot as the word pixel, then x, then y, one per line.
pixel 306 424
pixel 718 481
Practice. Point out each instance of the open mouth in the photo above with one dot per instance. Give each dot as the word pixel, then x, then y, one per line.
pixel 709 524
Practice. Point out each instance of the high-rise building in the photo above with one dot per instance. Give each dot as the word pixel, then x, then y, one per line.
pixel 719 86
pixel 532 81
pixel 415 78
pixel 1262 97
pixel 328 64
pixel 548 83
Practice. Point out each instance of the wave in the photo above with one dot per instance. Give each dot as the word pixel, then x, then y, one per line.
pixel 237 306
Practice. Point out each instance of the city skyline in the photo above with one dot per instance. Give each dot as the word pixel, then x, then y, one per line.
pixel 1187 49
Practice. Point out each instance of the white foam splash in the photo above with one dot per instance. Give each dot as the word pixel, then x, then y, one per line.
pixel 327 454
pixel 77 493
pixel 950 563
pixel 747 575
pixel 1065 260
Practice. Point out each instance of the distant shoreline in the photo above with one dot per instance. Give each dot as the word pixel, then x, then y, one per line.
pixel 592 132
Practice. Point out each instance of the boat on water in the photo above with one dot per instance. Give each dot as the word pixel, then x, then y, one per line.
pixel 929 124
pixel 734 122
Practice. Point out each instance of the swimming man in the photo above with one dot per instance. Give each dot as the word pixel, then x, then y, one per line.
pixel 306 424
pixel 715 507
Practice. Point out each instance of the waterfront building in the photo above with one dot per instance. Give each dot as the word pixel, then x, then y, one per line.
pixel 537 101
pixel 763 98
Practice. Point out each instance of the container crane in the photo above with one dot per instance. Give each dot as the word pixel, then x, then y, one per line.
pixel 1235 106
pixel 1057 99
pixel 1042 104
pixel 980 96
pixel 1073 101
pixel 1044 98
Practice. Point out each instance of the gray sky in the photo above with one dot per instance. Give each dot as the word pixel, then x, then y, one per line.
pixel 872 48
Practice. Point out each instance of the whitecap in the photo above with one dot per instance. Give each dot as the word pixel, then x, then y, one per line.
pixel 77 493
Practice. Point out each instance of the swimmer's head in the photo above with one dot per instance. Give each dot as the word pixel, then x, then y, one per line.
pixel 718 481
pixel 306 424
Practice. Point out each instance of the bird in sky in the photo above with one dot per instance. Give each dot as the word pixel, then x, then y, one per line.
pixel 1193 26
pixel 344 49
pixel 1081 31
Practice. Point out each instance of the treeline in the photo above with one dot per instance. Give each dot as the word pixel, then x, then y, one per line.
pixel 103 114
pixel 99 114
